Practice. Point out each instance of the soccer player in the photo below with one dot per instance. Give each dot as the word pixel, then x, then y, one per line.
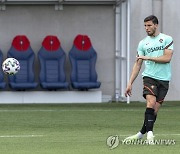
pixel 156 51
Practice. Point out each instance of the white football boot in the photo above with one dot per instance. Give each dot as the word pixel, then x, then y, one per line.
pixel 150 138
pixel 137 136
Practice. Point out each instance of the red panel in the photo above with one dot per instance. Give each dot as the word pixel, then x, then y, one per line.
pixel 21 43
pixel 51 43
pixel 82 42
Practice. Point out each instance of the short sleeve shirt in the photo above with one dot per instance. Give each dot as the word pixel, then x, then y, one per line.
pixel 154 47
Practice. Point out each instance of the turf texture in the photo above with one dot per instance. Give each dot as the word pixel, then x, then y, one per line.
pixel 84 128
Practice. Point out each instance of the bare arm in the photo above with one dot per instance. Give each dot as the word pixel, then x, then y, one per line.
pixel 166 58
pixel 134 74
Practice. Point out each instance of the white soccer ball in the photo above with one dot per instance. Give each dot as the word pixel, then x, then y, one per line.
pixel 10 66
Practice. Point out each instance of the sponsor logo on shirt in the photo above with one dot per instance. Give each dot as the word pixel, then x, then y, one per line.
pixel 155 49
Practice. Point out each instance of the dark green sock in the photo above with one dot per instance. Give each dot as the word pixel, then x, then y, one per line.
pixel 143 129
pixel 149 119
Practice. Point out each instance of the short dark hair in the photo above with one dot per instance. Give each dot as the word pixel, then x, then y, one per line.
pixel 152 18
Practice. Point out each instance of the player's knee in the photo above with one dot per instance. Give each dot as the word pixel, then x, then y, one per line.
pixel 157 107
pixel 151 101
pixel 156 110
pixel 150 104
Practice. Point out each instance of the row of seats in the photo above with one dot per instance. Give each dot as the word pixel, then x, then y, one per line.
pixel 52 58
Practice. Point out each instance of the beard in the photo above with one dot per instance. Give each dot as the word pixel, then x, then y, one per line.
pixel 152 33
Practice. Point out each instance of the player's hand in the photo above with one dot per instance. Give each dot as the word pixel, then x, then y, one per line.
pixel 143 57
pixel 128 90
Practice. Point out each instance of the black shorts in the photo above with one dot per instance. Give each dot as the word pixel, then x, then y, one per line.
pixel 155 87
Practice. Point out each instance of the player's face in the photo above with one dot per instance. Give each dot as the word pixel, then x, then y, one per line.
pixel 150 28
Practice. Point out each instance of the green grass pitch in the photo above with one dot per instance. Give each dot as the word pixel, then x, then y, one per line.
pixel 83 128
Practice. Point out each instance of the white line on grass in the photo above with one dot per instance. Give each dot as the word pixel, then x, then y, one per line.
pixel 167 134
pixel 93 110
pixel 20 136
pixel 28 110
pixel 31 136
pixel 156 135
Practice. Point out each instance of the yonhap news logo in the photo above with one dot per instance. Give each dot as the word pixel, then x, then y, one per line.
pixel 114 141
pixel 146 142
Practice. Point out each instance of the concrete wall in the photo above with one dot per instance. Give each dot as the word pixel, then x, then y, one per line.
pixel 171 22
pixel 139 10
pixel 38 21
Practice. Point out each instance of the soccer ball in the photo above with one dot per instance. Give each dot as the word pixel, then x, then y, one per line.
pixel 10 66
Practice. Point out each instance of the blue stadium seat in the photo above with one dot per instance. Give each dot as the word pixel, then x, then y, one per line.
pixel 83 60
pixel 52 60
pixel 22 51
pixel 2 83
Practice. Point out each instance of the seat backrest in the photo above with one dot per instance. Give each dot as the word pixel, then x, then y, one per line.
pixel 22 51
pixel 83 60
pixel 52 60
